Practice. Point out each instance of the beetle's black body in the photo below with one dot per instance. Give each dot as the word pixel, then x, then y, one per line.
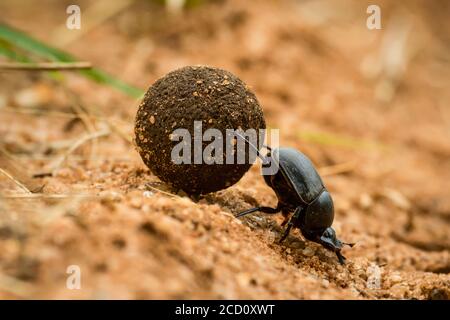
pixel 300 190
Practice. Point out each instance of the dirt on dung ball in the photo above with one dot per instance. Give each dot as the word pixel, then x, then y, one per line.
pixel 196 99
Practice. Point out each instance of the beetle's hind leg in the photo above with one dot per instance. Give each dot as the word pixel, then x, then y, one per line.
pixel 268 210
pixel 290 223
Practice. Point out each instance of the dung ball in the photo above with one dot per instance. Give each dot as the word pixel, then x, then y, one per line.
pixel 173 122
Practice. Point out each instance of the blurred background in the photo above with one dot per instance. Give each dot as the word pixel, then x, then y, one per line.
pixel 370 107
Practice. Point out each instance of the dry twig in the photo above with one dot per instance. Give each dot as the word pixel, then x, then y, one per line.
pixel 19 175
pixel 44 66
pixel 75 146
pixel 17 182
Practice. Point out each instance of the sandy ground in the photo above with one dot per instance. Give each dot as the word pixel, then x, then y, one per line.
pixel 370 108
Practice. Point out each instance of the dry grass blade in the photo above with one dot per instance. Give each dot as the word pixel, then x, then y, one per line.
pixel 9 168
pixel 112 123
pixel 76 145
pixel 40 112
pixel 89 113
pixel 54 196
pixel 44 66
pixel 119 131
pixel 85 116
pixel 17 182
pixel 163 192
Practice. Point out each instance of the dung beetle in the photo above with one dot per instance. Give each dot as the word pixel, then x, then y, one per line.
pixel 300 190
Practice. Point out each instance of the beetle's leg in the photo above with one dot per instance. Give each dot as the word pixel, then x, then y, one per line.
pixel 268 210
pixel 293 220
pixel 286 217
pixel 286 231
pixel 340 257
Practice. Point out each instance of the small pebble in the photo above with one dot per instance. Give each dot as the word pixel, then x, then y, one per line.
pixel 308 251
pixel 395 278
pixel 147 194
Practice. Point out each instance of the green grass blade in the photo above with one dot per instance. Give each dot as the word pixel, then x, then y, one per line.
pixel 7 51
pixel 21 40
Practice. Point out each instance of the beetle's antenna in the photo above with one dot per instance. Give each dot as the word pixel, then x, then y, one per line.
pixel 263 158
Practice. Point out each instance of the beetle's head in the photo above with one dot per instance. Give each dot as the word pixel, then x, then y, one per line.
pixel 329 240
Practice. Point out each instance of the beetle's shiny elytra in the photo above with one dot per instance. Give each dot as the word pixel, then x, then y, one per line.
pixel 302 198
